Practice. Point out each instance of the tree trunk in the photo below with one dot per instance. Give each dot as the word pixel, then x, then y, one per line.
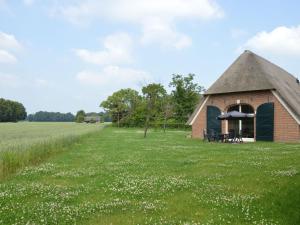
pixel 165 122
pixel 118 119
pixel 146 126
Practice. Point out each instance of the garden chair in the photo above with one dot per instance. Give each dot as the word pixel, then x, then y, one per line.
pixel 213 136
pixel 231 136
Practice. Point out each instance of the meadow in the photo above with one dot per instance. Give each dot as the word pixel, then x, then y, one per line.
pixel 115 176
pixel 27 143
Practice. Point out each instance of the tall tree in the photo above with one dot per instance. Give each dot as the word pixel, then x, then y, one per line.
pixel 185 94
pixel 121 104
pixel 154 95
pixel 79 118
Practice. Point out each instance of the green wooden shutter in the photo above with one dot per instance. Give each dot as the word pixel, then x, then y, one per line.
pixel 212 123
pixel 265 122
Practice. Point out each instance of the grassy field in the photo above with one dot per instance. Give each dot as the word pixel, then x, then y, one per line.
pixel 27 143
pixel 114 176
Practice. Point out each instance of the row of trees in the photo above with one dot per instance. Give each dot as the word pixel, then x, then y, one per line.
pixel 11 111
pixel 154 105
pixel 43 116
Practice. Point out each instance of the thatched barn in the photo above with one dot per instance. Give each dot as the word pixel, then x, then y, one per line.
pixel 255 86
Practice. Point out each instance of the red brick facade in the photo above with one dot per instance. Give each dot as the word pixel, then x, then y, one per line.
pixel 286 129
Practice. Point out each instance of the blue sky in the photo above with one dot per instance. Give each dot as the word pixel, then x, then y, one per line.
pixel 66 55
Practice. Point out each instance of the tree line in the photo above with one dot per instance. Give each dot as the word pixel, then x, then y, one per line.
pixel 154 106
pixel 43 116
pixel 11 111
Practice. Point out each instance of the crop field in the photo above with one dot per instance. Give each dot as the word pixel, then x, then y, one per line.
pixel 15 136
pixel 24 143
pixel 115 176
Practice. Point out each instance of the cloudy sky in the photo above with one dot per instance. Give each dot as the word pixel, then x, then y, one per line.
pixel 66 55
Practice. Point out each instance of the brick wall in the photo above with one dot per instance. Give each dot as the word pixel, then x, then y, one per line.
pixel 285 127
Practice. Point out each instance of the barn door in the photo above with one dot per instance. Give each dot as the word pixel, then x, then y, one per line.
pixel 211 119
pixel 265 122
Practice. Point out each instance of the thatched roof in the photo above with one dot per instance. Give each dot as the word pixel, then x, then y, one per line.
pixel 250 72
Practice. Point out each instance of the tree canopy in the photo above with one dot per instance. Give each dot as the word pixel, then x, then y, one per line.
pixel 154 95
pixel 122 105
pixel 153 106
pixel 79 118
pixel 185 94
pixel 11 111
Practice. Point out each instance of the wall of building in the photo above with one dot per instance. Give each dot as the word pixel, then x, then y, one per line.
pixel 285 127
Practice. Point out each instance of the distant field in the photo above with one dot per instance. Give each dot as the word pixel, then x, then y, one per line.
pixel 117 177
pixel 17 136
pixel 28 142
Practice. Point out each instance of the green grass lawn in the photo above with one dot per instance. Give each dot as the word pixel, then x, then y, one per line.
pixel 115 176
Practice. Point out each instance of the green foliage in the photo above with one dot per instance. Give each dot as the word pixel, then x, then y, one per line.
pixel 186 95
pixel 51 117
pixel 128 109
pixel 11 111
pixel 105 117
pixel 79 118
pixel 122 106
pixel 154 95
pixel 116 177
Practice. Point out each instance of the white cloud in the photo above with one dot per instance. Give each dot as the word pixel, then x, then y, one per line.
pixel 117 50
pixel 157 18
pixel 119 77
pixel 8 41
pixel 137 11
pixel 280 41
pixel 6 57
pixel 163 34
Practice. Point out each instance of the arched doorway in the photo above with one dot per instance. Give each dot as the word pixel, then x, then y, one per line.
pixel 245 126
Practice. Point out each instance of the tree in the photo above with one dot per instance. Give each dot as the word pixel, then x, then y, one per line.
pixel 121 105
pixel 105 117
pixel 154 95
pixel 185 96
pixel 11 111
pixel 79 118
